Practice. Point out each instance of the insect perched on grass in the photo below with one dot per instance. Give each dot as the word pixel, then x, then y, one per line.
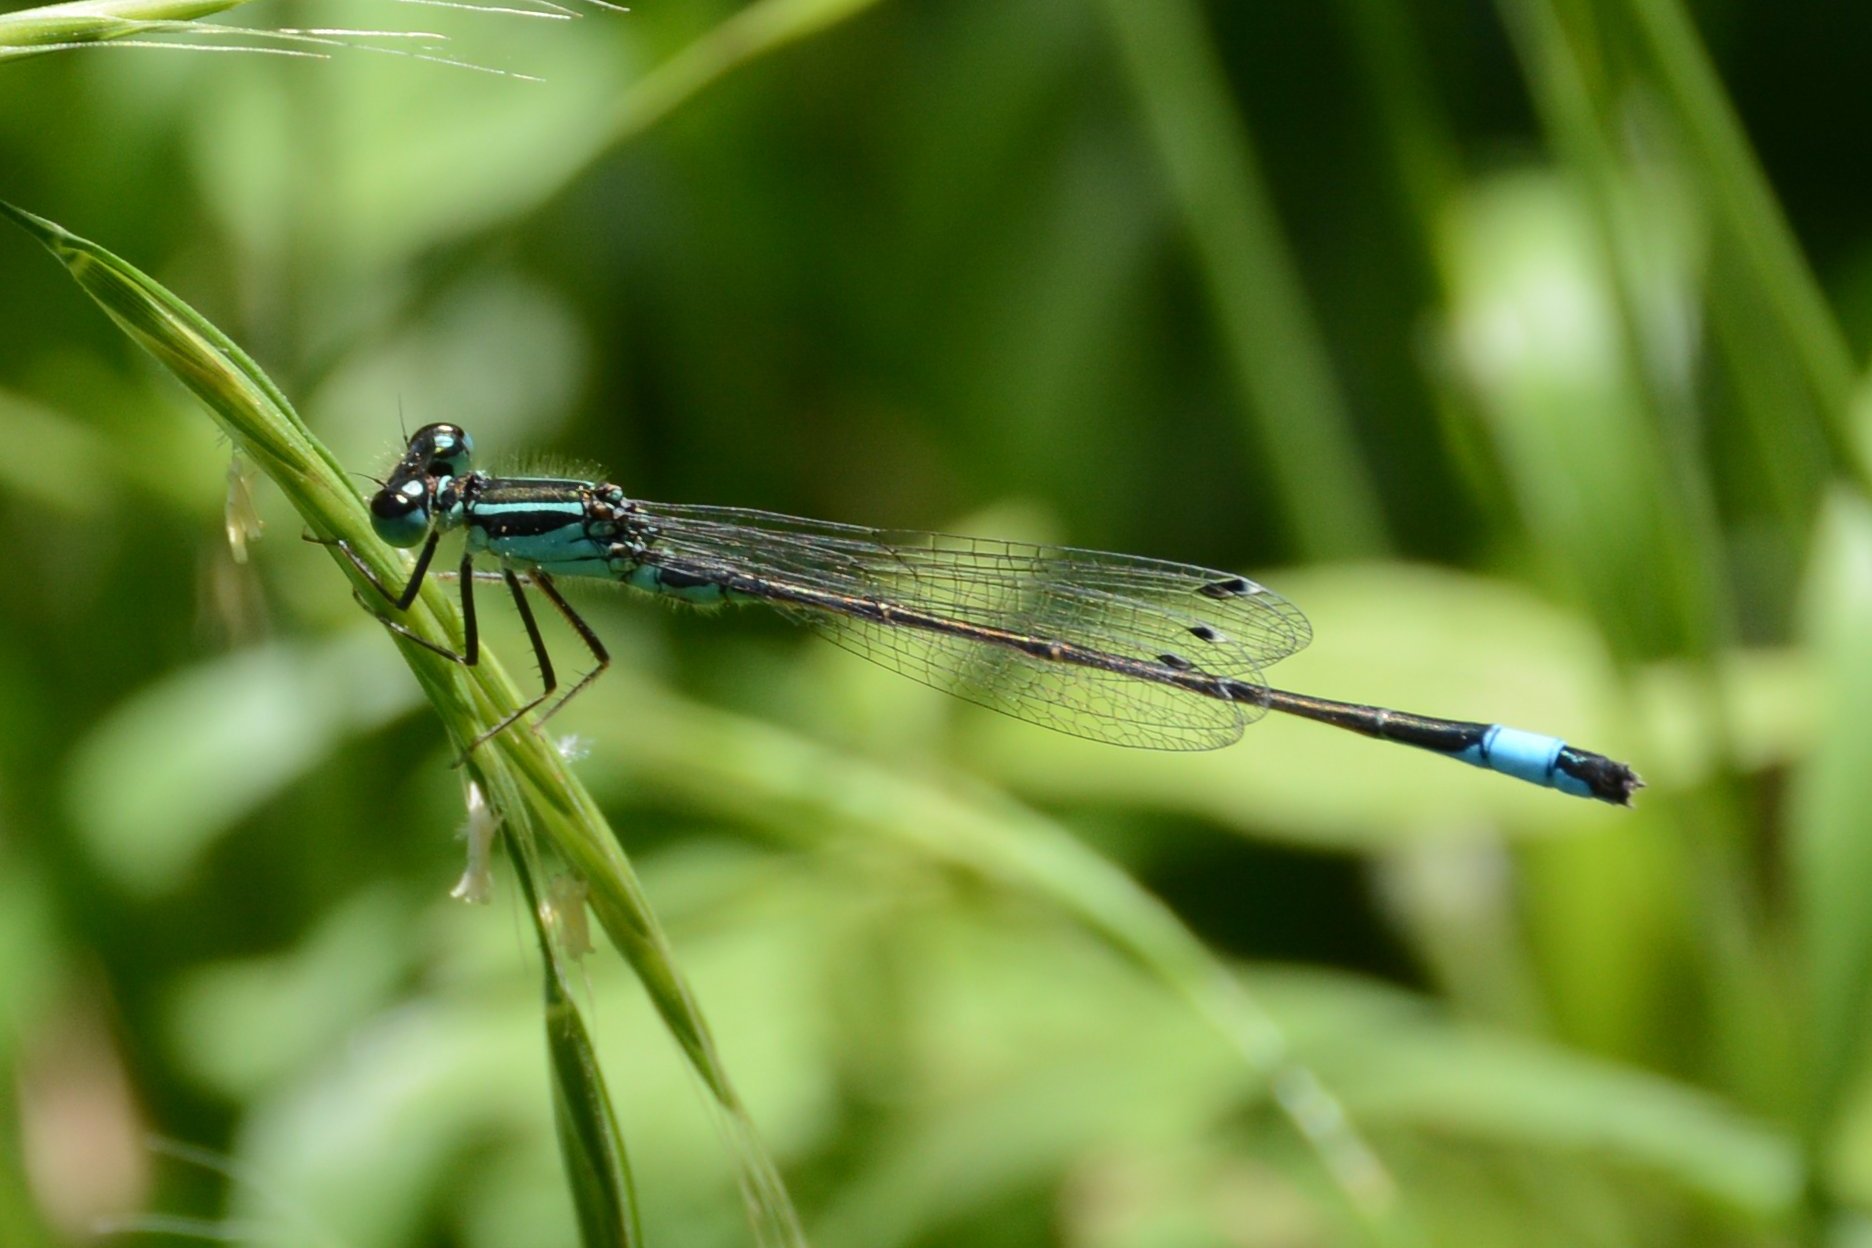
pixel 1112 647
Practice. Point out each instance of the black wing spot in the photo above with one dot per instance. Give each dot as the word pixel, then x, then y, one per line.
pixel 1202 632
pixel 1233 587
pixel 1176 662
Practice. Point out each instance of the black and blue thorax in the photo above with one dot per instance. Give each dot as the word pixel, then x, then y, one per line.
pixel 567 528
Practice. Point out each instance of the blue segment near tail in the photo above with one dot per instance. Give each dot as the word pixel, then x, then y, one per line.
pixel 1529 756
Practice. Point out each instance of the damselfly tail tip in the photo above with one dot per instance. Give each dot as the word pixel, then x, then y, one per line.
pixel 1604 778
pixel 1625 786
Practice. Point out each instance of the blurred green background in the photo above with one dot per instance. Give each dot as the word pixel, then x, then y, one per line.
pixel 1516 343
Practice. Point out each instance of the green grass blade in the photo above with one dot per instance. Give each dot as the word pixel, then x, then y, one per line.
pixel 31 966
pixel 1831 855
pixel 1303 432
pixel 1598 402
pixel 1776 278
pixel 757 30
pixel 589 1139
pixel 527 784
pixel 30 31
pixel 590 1143
pixel 1399 1065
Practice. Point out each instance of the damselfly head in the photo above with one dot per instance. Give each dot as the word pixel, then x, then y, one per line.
pixel 424 484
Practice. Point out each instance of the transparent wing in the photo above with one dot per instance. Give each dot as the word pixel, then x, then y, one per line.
pixel 1174 619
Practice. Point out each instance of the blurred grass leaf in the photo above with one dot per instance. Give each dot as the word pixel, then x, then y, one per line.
pixel 756 30
pixel 181 763
pixel 1800 326
pixel 1397 1062
pixel 241 1027
pixel 51 448
pixel 463 160
pixel 1633 105
pixel 1535 327
pixel 1302 430
pixel 1831 858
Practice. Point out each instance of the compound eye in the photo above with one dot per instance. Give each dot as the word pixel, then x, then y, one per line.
pixel 400 512
pixel 446 449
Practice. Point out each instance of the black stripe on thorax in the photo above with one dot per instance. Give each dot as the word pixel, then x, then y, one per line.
pixel 509 507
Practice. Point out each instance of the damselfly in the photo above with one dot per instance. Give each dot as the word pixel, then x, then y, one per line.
pixel 1116 648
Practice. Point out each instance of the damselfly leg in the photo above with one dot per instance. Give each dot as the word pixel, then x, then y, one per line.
pixel 470 653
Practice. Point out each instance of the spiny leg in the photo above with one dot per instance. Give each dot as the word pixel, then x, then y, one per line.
pixel 471 636
pixel 551 589
pixel 544 584
pixel 547 677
